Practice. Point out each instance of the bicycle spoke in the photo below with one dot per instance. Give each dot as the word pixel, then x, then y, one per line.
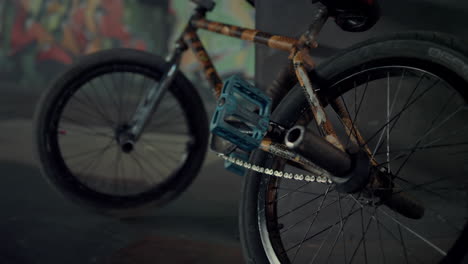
pixel 341 231
pixel 118 156
pixel 167 150
pixel 388 122
pixel 169 119
pixel 163 158
pixel 306 192
pixel 285 195
pixel 110 94
pixel 124 89
pixel 422 187
pixel 105 113
pixel 302 205
pixel 83 132
pixel 71 120
pixel 149 163
pixel 351 213
pixel 363 235
pixel 321 245
pixel 398 115
pixel 118 98
pixel 379 232
pixel 88 114
pixel 80 154
pixel 148 179
pixel 380 142
pixel 123 178
pixel 382 225
pixel 428 132
pixel 431 147
pixel 94 160
pixel 170 152
pixel 95 106
pixel 292 191
pixel 312 223
pixel 352 129
pixel 307 217
pixel 385 228
pixel 451 134
pixel 399 157
pixel 403 246
pixel 443 253
pixel 98 153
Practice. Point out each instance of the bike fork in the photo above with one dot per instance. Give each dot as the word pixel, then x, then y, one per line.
pixel 150 102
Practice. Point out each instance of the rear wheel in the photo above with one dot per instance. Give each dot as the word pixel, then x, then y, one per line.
pixel 80 119
pixel 407 95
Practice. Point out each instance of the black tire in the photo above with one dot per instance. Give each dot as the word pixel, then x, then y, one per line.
pixel 187 113
pixel 435 53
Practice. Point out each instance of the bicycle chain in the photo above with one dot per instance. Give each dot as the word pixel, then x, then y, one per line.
pixel 276 173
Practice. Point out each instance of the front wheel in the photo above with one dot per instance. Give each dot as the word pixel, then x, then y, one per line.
pixel 80 118
pixel 408 96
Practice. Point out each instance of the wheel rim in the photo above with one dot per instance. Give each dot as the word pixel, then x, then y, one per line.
pixel 377 233
pixel 93 110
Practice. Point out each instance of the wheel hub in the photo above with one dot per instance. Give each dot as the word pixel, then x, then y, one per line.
pixel 377 188
pixel 124 138
pixel 359 176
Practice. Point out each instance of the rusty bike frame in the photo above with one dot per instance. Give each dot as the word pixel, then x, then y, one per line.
pixel 296 71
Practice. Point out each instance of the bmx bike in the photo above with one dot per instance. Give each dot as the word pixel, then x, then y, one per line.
pixel 362 159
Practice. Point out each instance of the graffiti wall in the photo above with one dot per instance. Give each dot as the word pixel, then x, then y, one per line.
pixel 39 37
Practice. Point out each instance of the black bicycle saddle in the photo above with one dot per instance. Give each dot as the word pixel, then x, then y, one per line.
pixel 353 15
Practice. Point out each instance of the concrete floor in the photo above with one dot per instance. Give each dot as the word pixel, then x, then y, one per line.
pixel 37 225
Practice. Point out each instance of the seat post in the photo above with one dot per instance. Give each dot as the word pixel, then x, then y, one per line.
pixel 320 17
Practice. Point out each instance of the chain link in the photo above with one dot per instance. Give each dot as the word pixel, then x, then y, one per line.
pixel 276 173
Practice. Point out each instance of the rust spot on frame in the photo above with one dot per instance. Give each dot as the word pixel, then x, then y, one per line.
pixel 315 105
pixel 210 72
pixel 248 34
pixel 281 42
pixel 213 26
pixel 236 32
pixel 351 129
pixel 302 57
pixel 276 42
pixel 265 144
pixel 225 30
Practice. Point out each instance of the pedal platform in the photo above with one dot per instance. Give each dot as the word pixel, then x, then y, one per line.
pixel 242 116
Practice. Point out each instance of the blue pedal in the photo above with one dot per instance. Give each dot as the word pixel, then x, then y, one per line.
pixel 232 166
pixel 242 114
